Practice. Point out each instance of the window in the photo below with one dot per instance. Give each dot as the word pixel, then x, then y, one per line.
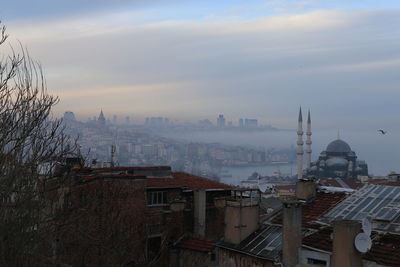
pixel 316 262
pixel 157 198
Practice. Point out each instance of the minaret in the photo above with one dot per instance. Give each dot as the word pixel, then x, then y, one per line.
pixel 300 143
pixel 308 142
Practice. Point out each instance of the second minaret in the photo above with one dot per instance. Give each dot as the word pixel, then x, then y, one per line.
pixel 308 142
pixel 300 150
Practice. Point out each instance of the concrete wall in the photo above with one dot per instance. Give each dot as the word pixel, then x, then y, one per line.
pixel 227 258
pixel 306 189
pixel 191 258
pixel 241 219
pixel 306 254
pixel 199 202
pixel 291 244
pixel 344 252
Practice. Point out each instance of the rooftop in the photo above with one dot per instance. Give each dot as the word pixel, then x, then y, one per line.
pixel 187 181
pixel 379 202
pixel 198 244
pixel 265 243
pixel 312 211
pixel 383 182
pixel 342 182
pixel 385 248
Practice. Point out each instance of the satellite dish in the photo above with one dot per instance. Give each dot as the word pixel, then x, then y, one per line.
pixel 362 242
pixel 366 226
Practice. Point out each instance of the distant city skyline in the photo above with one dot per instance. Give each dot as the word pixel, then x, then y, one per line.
pixel 190 60
pixel 122 119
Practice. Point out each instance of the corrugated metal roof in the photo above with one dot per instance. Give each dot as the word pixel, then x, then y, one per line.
pixel 265 243
pixel 314 210
pixel 378 202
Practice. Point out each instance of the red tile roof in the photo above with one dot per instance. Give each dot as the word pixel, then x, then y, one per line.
pixel 320 240
pixel 198 245
pixel 89 178
pixel 385 248
pixel 351 183
pixel 127 168
pixel 315 209
pixel 289 187
pixel 384 182
pixel 185 180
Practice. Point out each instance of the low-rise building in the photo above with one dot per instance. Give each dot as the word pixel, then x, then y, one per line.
pixel 130 216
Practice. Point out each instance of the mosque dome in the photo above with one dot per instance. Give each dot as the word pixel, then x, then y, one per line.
pixel 338 146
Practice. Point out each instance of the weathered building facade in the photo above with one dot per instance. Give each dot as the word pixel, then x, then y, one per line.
pixel 130 216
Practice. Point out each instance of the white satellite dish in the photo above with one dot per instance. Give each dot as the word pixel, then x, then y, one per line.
pixel 362 242
pixel 366 226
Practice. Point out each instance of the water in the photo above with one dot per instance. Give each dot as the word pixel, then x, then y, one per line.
pixel 242 173
pixel 381 152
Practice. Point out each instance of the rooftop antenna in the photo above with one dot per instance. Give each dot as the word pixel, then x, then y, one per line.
pixel 338 135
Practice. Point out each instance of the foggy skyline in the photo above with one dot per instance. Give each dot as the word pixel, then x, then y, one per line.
pixel 189 61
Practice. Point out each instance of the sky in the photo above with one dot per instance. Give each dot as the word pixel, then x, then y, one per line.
pixel 191 60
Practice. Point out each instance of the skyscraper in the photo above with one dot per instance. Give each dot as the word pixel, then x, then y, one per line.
pixel 241 124
pixel 221 121
pixel 101 120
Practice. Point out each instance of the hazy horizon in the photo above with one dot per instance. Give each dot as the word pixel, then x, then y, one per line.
pixel 189 61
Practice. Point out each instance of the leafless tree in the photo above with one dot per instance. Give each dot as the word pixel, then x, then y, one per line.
pixel 30 141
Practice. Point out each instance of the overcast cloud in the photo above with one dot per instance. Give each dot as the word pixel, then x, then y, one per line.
pixel 344 64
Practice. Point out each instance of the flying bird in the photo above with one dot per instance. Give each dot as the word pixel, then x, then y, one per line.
pixel 382 131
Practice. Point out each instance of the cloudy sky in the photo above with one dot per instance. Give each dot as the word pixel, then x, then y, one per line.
pixel 190 60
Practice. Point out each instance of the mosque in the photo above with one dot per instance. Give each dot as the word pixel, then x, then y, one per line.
pixel 337 161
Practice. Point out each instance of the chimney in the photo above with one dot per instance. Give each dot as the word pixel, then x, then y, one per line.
pixel 306 189
pixel 291 232
pixel 241 216
pixel 199 201
pixel 344 253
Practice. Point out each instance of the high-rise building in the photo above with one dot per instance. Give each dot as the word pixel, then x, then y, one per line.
pixel 69 116
pixel 241 124
pixel 250 123
pixel 114 120
pixel 127 120
pixel 221 121
pixel 101 119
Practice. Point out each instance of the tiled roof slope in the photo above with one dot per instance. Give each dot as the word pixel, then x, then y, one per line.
pixel 265 243
pixel 185 180
pixel 351 183
pixel 198 245
pixel 320 240
pixel 383 182
pixel 315 209
pixel 385 248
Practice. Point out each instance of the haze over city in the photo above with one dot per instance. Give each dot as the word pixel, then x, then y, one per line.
pixel 200 133
pixel 191 60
